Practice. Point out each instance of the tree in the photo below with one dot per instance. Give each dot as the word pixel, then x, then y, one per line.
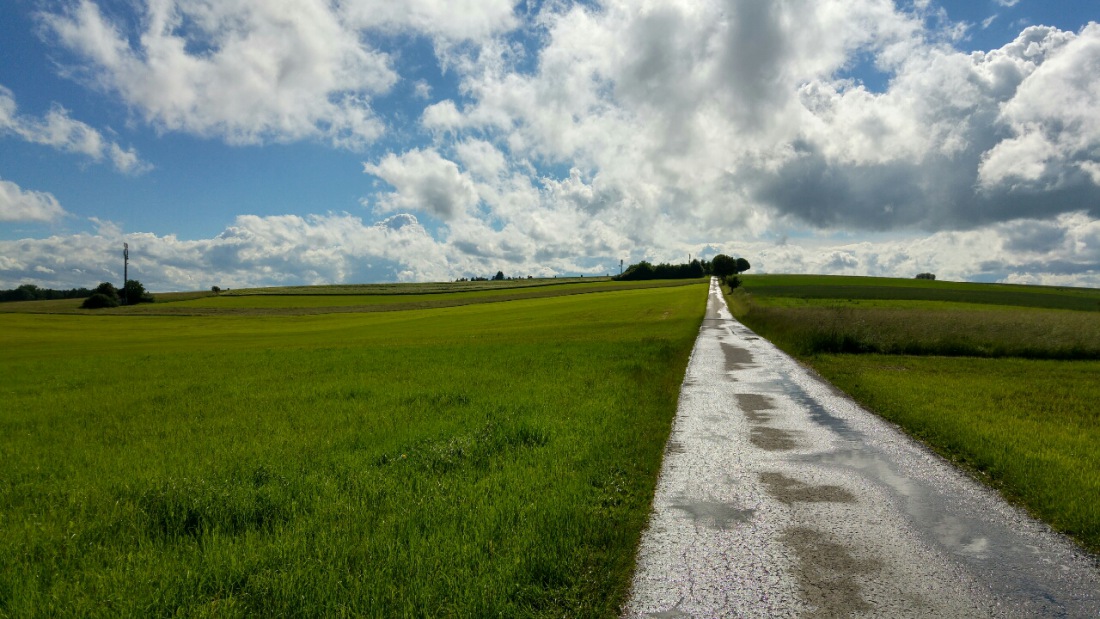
pixel 108 290
pixel 134 292
pixel 215 289
pixel 499 276
pixel 742 265
pixel 722 265
pixel 926 276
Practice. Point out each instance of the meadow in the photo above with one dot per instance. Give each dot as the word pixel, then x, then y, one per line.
pixel 1003 380
pixel 493 459
pixel 301 300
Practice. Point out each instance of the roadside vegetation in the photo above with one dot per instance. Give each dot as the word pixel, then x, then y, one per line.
pixel 495 459
pixel 1000 379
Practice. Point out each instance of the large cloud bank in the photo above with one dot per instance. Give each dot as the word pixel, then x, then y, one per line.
pixel 582 134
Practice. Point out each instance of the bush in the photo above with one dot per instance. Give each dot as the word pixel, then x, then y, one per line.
pixel 134 293
pixel 99 300
pixel 107 289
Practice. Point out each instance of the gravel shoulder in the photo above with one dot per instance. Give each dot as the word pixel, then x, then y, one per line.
pixel 780 497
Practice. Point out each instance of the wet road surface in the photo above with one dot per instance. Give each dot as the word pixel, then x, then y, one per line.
pixel 780 497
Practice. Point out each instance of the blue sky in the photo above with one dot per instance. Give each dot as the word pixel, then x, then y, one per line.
pixel 243 142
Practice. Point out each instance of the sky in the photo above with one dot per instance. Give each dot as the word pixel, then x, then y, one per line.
pixel 244 143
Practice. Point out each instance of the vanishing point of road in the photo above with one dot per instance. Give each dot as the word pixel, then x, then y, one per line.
pixel 780 497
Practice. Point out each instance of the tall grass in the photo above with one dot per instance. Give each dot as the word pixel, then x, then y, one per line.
pixel 489 460
pixel 883 288
pixel 845 328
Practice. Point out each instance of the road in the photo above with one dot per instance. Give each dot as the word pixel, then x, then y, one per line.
pixel 781 497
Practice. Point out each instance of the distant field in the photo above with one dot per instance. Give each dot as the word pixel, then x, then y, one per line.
pixel 495 459
pixel 883 288
pixel 1002 379
pixel 932 318
pixel 338 299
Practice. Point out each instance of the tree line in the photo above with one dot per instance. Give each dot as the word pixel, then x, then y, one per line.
pixel 30 292
pixel 722 266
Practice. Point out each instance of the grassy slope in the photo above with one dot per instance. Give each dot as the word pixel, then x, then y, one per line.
pixel 1029 427
pixel 336 299
pixel 475 461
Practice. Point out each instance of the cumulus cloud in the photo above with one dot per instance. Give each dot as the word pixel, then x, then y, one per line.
pixel 735 116
pixel 451 19
pixel 58 130
pixel 339 248
pixel 425 182
pixel 18 204
pixel 642 129
pixel 248 72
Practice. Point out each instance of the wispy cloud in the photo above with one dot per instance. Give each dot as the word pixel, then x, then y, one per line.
pixel 58 130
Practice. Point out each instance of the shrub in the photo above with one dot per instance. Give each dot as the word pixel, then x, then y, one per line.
pixel 98 301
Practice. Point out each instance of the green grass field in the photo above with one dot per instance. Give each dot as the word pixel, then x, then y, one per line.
pixel 343 299
pixel 495 459
pixel 1001 379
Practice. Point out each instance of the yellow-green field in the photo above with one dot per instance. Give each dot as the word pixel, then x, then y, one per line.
pixel 494 459
pixel 1001 379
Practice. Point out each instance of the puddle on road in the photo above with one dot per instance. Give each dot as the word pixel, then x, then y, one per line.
pixel 987 547
pixel 826 573
pixel 772 439
pixel 736 358
pixel 789 490
pixel 715 515
pixel 752 404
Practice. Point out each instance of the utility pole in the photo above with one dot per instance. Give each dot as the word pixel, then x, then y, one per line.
pixel 125 269
pixel 620 266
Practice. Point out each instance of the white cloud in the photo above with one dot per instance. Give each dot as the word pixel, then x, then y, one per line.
pixel 58 130
pixel 451 19
pixel 1053 115
pixel 18 204
pixel 340 248
pixel 248 72
pixel 424 182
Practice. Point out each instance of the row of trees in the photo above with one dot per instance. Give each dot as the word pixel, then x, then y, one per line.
pixel 720 266
pixel 106 295
pixel 30 292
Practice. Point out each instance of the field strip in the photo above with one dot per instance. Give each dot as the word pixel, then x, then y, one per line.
pixel 779 497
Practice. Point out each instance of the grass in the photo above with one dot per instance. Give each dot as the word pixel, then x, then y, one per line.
pixel 931 329
pixel 1001 379
pixel 496 459
pixel 343 299
pixel 838 287
pixel 1031 428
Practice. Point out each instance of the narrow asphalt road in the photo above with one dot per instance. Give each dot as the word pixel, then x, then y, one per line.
pixel 780 497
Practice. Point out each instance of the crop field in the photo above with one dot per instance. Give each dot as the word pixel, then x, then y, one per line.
pixel 1008 390
pixel 336 299
pixel 494 459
